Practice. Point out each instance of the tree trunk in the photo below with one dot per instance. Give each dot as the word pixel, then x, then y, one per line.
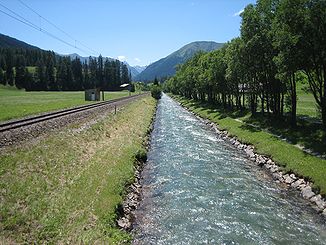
pixel 323 116
pixel 323 107
pixel 267 103
pixel 262 103
pixel 293 101
pixel 243 99
pixel 282 104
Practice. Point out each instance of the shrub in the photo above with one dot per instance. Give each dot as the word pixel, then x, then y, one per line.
pixel 156 92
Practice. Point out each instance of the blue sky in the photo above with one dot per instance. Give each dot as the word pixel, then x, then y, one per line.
pixel 138 31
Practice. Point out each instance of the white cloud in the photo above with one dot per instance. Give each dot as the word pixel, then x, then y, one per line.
pixel 238 13
pixel 137 60
pixel 122 58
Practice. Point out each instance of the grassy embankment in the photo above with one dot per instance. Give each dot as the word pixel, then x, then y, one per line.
pixel 308 133
pixel 287 155
pixel 66 188
pixel 16 103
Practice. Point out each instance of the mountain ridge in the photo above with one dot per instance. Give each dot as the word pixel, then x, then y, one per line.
pixel 166 66
pixel 10 42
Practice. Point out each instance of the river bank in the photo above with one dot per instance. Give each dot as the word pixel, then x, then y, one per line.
pixel 133 196
pixel 285 162
pixel 199 188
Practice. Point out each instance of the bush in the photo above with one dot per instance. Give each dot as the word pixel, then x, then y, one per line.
pixel 156 92
pixel 141 155
pixel 132 87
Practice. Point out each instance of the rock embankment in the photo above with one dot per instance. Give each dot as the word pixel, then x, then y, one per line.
pixel 289 179
pixel 131 201
pixel 133 197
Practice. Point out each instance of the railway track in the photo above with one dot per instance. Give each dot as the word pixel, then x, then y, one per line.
pixel 52 115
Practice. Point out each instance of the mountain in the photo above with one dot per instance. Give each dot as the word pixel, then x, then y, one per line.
pixel 74 56
pixel 139 69
pixel 135 70
pixel 167 66
pixel 9 42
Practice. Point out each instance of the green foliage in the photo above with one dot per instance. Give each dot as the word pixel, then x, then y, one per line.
pixel 260 70
pixel 140 86
pixel 47 71
pixel 156 81
pixel 132 87
pixel 156 91
pixel 141 155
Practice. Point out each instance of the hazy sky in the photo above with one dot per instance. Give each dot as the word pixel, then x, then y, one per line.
pixel 139 31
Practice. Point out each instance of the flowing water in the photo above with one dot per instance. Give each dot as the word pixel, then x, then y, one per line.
pixel 197 189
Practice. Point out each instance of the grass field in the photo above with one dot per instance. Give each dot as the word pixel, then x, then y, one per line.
pixel 287 155
pixel 16 103
pixel 67 187
pixel 306 102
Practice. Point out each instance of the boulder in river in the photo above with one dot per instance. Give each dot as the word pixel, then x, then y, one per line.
pixel 307 192
pixel 297 183
pixel 319 202
pixel 324 212
pixel 288 179
pixel 274 168
pixel 124 223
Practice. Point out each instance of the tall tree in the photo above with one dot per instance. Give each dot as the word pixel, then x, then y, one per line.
pixel 86 80
pixel 49 73
pixel 77 72
pixel 124 74
pixel 99 73
pixel 107 75
pixel 93 72
pixel 41 79
pixel 288 32
pixel 20 73
pixel 315 61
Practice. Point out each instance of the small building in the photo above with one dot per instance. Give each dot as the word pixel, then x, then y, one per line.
pixel 92 94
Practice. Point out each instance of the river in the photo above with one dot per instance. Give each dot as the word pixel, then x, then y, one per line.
pixel 198 189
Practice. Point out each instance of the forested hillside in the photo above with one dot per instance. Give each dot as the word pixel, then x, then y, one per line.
pixel 281 43
pixel 31 68
pixel 9 42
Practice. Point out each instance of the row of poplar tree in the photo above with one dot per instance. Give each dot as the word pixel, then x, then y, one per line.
pixel 282 42
pixel 39 70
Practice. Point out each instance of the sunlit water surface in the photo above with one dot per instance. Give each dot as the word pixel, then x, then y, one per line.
pixel 200 190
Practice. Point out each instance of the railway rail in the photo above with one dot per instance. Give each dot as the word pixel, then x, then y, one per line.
pixel 52 115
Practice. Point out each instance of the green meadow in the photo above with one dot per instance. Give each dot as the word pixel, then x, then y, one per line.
pixel 16 103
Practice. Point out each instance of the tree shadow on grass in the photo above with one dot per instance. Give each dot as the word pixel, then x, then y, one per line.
pixel 212 108
pixel 250 128
pixel 309 131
